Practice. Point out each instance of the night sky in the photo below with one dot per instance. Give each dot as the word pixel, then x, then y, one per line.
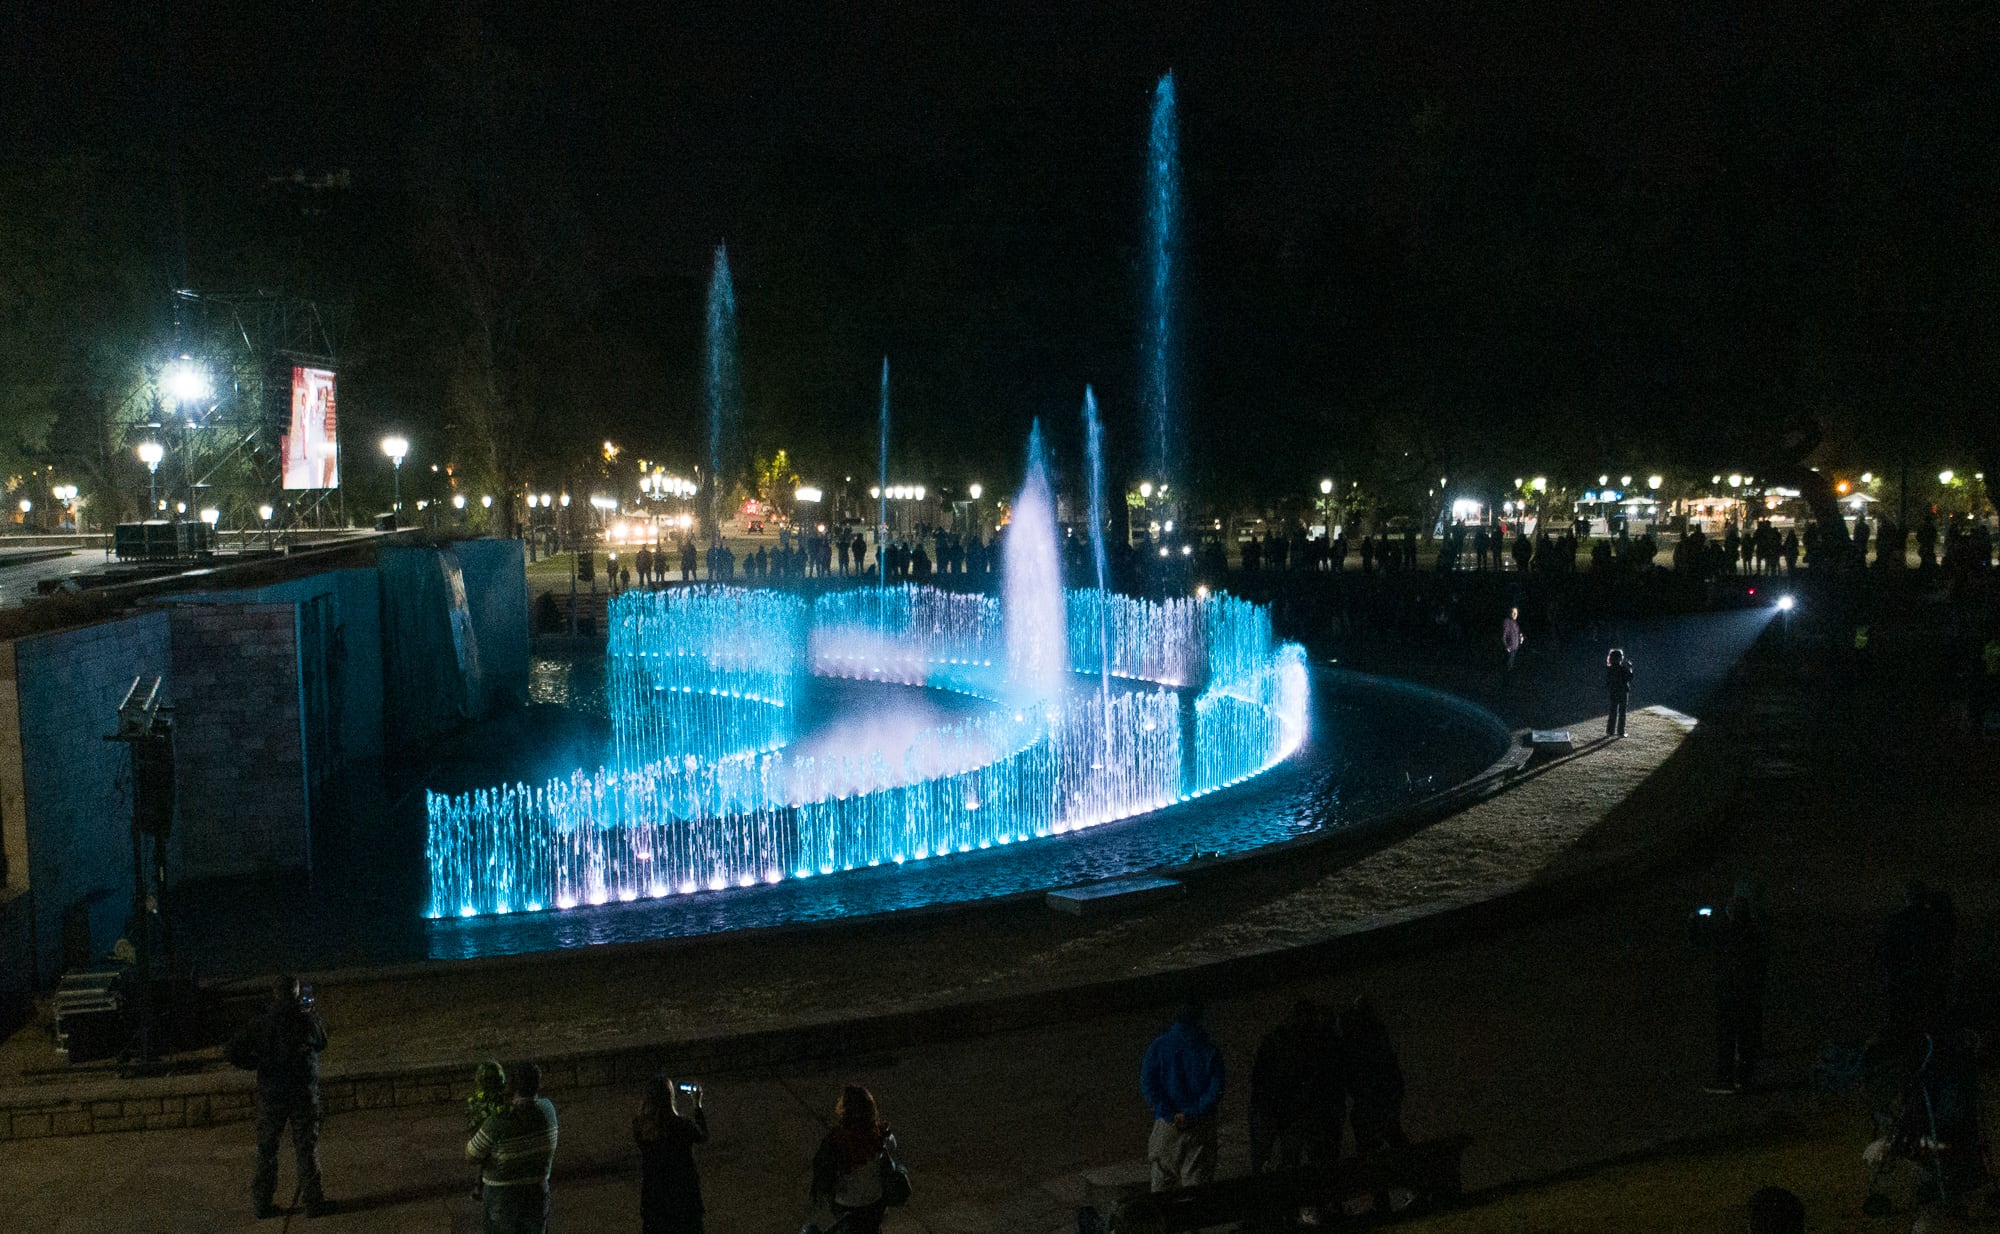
pixel 1452 229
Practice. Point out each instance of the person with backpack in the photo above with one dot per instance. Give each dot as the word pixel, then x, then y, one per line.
pixel 283 1046
pixel 854 1170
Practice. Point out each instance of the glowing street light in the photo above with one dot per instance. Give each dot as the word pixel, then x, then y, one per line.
pixel 150 453
pixel 1541 484
pixel 1868 477
pixel 265 512
pixel 975 491
pixel 1624 481
pixel 486 502
pixel 1653 483
pixel 807 493
pixel 26 506
pixel 211 515
pixel 1735 479
pixel 397 448
pixel 1945 476
pixel 1146 489
pixel 1325 487
pixel 458 501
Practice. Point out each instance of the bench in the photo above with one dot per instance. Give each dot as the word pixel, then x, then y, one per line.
pixel 1118 1201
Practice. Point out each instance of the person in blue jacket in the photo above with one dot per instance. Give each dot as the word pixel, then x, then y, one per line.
pixel 1182 1081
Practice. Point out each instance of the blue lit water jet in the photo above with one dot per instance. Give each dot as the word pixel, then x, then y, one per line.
pixel 882 489
pixel 1093 443
pixel 1160 333
pixel 659 821
pixel 721 387
pixel 704 793
pixel 1031 587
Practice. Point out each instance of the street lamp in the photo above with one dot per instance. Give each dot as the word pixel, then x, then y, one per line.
pixel 458 501
pixel 150 453
pixel 1653 483
pixel 396 448
pixel 975 491
pixel 1945 476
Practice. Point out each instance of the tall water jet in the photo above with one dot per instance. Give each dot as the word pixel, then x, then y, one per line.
pixel 882 487
pixel 1093 442
pixel 1032 602
pixel 722 387
pixel 1161 328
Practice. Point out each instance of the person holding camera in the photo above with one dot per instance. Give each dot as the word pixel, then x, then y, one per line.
pixel 1735 938
pixel 669 1186
pixel 283 1045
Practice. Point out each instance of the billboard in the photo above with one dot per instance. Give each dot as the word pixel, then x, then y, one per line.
pixel 312 460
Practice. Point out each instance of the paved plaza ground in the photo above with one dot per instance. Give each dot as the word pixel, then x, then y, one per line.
pixel 1557 1043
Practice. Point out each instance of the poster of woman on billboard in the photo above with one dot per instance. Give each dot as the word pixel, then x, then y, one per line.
pixel 312 459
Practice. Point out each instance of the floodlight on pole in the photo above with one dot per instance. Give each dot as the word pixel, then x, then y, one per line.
pixel 397 448
pixel 186 381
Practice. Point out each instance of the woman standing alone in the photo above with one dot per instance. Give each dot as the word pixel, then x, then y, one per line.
pixel 848 1168
pixel 669 1187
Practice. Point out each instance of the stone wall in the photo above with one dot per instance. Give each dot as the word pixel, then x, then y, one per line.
pixel 239 746
pixel 75 787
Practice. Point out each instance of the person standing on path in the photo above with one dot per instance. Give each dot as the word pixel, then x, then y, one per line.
pixel 1511 637
pixel 516 1150
pixel 1375 1087
pixel 283 1047
pixel 1182 1079
pixel 848 1166
pixel 669 1186
pixel 1618 684
pixel 1735 938
pixel 1297 1099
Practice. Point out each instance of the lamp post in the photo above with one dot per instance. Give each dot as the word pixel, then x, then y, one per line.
pixel 150 453
pixel 397 448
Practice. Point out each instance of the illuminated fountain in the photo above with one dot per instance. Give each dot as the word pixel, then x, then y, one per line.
pixel 712 783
